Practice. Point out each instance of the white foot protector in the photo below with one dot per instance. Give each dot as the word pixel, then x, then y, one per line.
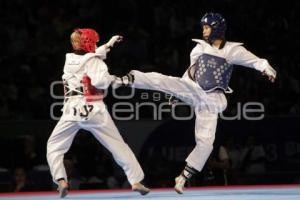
pixel 179 184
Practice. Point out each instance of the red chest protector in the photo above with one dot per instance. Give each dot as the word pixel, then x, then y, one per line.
pixel 90 92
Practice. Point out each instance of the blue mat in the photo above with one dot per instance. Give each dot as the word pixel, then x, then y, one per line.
pixel 195 194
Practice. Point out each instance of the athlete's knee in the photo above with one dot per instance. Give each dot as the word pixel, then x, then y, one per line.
pixel 205 146
pixel 206 141
pixel 50 149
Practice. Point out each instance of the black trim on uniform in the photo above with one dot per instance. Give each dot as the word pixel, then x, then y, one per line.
pixel 222 44
pixel 80 52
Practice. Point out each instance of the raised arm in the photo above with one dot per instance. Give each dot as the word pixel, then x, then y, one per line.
pixel 239 55
pixel 105 48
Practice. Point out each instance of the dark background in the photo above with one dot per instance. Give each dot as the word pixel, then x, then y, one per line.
pixel 157 37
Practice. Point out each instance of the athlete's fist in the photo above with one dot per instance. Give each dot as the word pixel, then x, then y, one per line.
pixel 126 81
pixel 173 101
pixel 116 82
pixel 113 40
pixel 270 73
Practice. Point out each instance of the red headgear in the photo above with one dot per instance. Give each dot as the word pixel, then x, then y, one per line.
pixel 88 39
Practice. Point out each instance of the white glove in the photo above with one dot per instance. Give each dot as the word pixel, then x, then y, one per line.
pixel 113 40
pixel 270 73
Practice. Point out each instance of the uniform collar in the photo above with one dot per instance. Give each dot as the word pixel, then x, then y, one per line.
pixel 203 42
pixel 79 52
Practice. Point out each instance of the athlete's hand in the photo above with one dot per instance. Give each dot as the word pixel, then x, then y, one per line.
pixel 126 81
pixel 114 39
pixel 270 73
pixel 116 82
pixel 173 101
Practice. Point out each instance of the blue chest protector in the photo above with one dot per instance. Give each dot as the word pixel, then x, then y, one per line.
pixel 212 72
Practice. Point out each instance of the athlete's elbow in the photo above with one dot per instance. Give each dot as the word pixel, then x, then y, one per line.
pixel 101 84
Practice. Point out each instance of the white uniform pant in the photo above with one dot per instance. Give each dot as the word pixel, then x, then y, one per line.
pixel 207 106
pixel 105 131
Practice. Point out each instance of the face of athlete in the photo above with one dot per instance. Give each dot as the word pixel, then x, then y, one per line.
pixel 206 31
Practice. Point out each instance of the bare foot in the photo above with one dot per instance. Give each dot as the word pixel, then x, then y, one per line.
pixel 63 188
pixel 138 187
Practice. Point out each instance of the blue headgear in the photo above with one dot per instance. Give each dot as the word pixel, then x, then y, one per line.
pixel 217 23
